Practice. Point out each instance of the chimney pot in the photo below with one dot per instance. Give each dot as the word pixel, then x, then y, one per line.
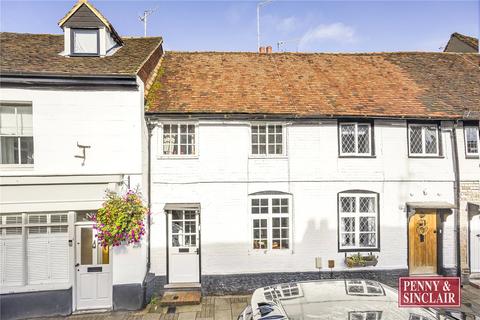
pixel 262 50
pixel 269 49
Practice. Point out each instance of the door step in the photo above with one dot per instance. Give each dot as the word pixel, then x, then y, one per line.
pixel 475 283
pixel 183 285
pixel 89 311
pixel 181 298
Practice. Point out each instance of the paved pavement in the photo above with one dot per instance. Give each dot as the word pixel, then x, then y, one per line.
pixel 227 308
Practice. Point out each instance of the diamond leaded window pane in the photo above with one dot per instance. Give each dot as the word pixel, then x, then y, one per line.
pixel 416 139
pixel 348 239
pixel 367 224
pixel 363 138
pixel 348 224
pixel 347 204
pixel 367 204
pixel 348 138
pixel 431 140
pixel 367 240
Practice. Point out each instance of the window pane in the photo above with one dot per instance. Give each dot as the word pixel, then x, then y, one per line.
pixel 348 224
pixel 259 233
pixel 348 138
pixel 24 121
pixel 37 218
pixel 415 137
pixel 347 204
pixel 367 240
pixel 85 41
pixel 471 139
pixel 348 239
pixel 363 138
pixel 103 255
pixel 8 122
pixel 367 204
pixel 367 224
pixel 26 150
pixel 58 218
pixel 9 146
pixel 431 140
pixel 86 252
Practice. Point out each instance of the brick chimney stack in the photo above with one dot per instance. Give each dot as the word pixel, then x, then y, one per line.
pixel 262 50
pixel 269 49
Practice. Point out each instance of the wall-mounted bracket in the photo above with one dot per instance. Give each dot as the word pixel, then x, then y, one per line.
pixel 83 156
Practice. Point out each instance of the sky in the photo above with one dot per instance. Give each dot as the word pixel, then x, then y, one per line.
pixel 306 26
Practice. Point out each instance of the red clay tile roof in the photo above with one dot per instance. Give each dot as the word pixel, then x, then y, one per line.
pixel 417 85
pixel 471 41
pixel 23 53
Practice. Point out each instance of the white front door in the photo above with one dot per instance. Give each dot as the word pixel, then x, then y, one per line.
pixel 183 253
pixel 93 271
pixel 475 243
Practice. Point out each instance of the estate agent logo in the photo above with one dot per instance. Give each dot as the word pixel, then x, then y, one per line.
pixel 429 292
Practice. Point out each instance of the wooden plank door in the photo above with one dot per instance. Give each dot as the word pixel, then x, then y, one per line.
pixel 422 234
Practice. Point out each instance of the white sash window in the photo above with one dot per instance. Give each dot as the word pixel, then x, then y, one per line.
pixel 472 140
pixel 358 221
pixel 16 134
pixel 271 222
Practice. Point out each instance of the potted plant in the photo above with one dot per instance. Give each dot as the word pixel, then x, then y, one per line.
pixel 358 260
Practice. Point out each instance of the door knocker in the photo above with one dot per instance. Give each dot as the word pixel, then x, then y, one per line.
pixel 422 228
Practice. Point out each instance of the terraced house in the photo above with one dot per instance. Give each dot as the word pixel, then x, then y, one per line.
pixel 71 126
pixel 258 168
pixel 267 166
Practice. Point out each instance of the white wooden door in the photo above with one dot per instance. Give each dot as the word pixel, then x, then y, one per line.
pixel 475 243
pixel 183 238
pixel 93 271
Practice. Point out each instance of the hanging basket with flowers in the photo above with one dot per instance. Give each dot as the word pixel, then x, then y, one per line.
pixel 120 220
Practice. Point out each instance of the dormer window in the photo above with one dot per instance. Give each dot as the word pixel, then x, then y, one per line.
pixel 88 33
pixel 85 42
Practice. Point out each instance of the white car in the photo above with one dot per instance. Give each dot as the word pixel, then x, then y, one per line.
pixel 354 299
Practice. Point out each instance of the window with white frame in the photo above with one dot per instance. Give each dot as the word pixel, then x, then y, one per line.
pixel 271 222
pixel 179 139
pixel 472 140
pixel 358 220
pixel 85 41
pixel 423 140
pixel 16 134
pixel 34 249
pixel 355 139
pixel 267 139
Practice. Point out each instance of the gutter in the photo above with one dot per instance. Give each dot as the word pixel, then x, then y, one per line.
pixel 150 127
pixel 456 188
pixel 87 80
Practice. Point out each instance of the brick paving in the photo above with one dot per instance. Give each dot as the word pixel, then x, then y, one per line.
pixel 227 308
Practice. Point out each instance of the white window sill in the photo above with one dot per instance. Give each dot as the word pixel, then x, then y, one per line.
pixel 12 167
pixel 263 157
pixel 420 156
pixel 177 157
pixel 34 287
pixel 270 252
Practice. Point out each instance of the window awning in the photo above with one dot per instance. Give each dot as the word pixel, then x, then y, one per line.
pixel 182 206
pixel 473 208
pixel 430 205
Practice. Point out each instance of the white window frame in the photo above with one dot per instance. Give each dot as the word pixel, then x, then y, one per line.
pixel 18 105
pixel 26 284
pixel 160 142
pixel 472 154
pixel 357 215
pixel 267 154
pixel 269 217
pixel 73 32
pixel 356 153
pixel 423 153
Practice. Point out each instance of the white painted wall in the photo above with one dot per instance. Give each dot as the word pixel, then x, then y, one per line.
pixel 223 175
pixel 111 122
